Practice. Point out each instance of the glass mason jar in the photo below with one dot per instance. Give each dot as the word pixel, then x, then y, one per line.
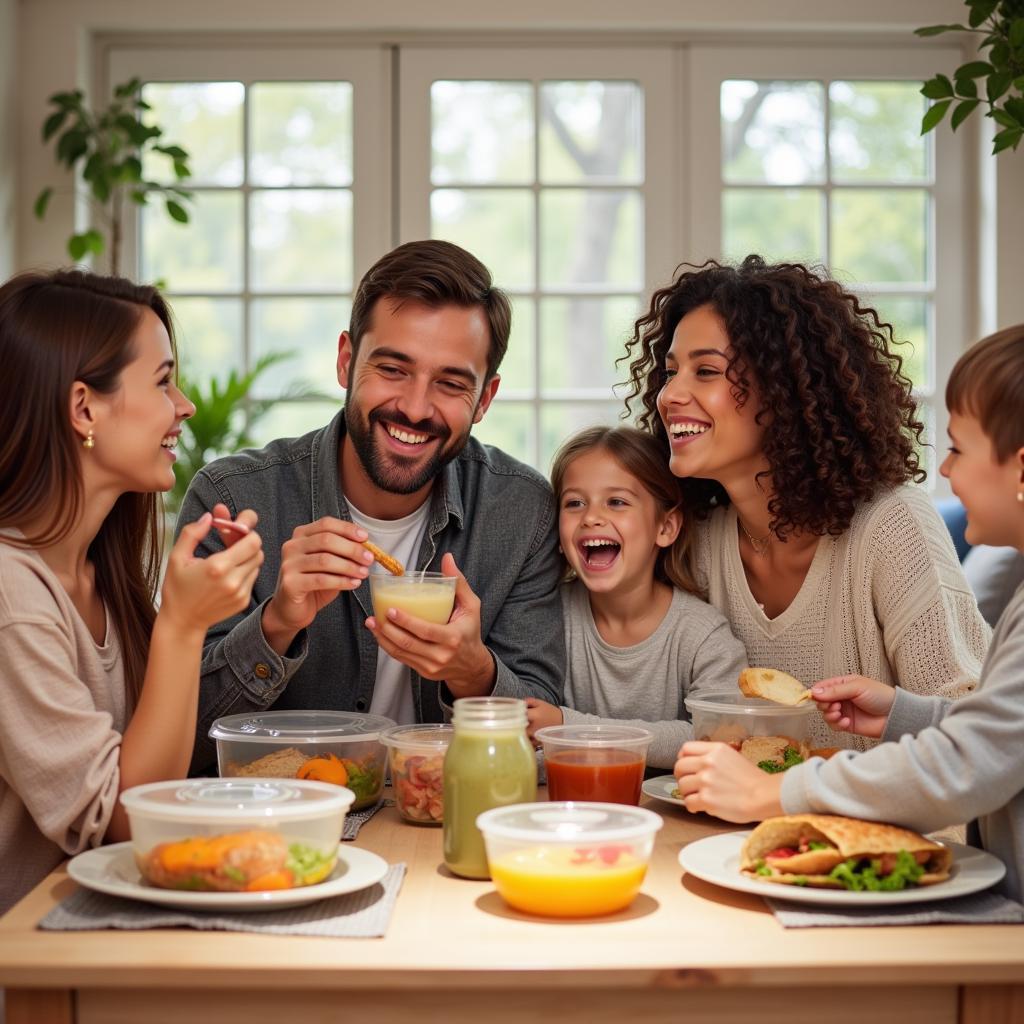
pixel 489 763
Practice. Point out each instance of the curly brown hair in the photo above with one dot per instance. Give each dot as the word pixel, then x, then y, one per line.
pixel 843 421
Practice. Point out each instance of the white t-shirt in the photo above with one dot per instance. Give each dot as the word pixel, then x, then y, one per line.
pixel 392 688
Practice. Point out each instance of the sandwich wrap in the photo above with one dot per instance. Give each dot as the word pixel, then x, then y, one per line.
pixel 830 852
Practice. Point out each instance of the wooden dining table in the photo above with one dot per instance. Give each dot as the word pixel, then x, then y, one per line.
pixel 684 951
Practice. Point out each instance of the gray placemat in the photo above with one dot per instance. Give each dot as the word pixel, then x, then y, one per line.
pixel 355 821
pixel 977 908
pixel 360 915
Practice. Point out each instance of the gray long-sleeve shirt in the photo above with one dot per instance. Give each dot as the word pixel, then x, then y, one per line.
pixel 949 762
pixel 691 651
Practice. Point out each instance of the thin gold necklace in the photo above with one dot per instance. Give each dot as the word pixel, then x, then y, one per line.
pixel 761 545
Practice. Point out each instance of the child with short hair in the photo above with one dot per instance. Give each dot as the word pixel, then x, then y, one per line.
pixel 638 639
pixel 951 761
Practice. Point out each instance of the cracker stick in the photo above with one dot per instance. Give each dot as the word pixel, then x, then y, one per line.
pixel 392 565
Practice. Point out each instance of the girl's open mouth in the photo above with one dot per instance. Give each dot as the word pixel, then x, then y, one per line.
pixel 599 553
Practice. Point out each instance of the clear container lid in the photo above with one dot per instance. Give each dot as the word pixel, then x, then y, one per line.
pixel 738 704
pixel 227 800
pixel 297 727
pixel 430 737
pixel 496 713
pixel 569 821
pixel 602 736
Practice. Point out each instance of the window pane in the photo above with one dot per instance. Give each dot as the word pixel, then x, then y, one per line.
pixel 206 119
pixel 773 132
pixel 309 329
pixel 302 241
pixel 509 426
pixel 496 225
pixel 591 131
pixel 204 255
pixel 517 367
pixel 779 224
pixel 208 333
pixel 875 131
pixel 481 132
pixel 880 235
pixel 581 338
pixel 560 420
pixel 909 318
pixel 301 133
pixel 292 419
pixel 591 237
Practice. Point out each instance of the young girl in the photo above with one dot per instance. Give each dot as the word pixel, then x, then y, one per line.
pixel 99 690
pixel 949 762
pixel 637 638
pixel 780 403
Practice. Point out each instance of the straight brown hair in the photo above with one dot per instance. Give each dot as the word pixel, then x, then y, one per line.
pixel 434 273
pixel 644 457
pixel 987 383
pixel 57 328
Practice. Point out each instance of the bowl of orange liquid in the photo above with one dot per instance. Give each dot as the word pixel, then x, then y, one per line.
pixel 603 763
pixel 568 859
pixel 427 595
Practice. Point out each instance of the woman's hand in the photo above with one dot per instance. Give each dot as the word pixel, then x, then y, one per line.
pixel 714 777
pixel 854 704
pixel 199 592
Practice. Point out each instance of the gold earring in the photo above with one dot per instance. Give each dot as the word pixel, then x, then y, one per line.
pixel 1020 497
pixel 89 442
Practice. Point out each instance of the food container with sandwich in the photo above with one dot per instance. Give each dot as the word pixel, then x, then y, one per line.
pixel 772 736
pixel 566 859
pixel 239 835
pixel 416 764
pixel 339 747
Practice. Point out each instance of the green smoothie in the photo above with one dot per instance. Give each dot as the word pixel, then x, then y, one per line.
pixel 483 768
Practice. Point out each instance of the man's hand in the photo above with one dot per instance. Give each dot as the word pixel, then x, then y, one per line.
pixel 854 704
pixel 453 652
pixel 539 713
pixel 319 561
pixel 715 778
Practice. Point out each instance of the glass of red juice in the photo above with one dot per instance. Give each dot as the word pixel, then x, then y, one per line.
pixel 603 763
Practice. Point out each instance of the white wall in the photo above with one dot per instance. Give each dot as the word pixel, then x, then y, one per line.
pixel 8 134
pixel 57 41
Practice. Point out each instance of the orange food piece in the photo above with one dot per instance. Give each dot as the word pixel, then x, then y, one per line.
pixel 271 880
pixel 201 853
pixel 324 768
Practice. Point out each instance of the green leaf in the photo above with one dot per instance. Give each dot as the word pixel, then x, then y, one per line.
pixel 934 115
pixel 181 170
pixel 935 30
pixel 999 56
pixel 77 247
pixel 131 169
pixel 1014 106
pixel 1018 84
pixel 997 84
pixel 71 146
pixel 1003 118
pixel 175 152
pixel 138 195
pixel 93 241
pixel 177 211
pixel 974 69
pixel 966 87
pixel 42 201
pixel 101 187
pixel 937 88
pixel 963 110
pixel 981 10
pixel 1007 138
pixel 53 123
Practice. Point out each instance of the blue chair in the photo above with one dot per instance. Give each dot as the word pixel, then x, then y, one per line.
pixel 955 518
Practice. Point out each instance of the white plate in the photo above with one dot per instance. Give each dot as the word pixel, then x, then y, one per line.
pixel 661 789
pixel 717 859
pixel 112 869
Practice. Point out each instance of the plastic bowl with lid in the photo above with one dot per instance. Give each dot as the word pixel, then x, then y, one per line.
pixel 730 717
pixel 595 762
pixel 341 747
pixel 416 762
pixel 565 859
pixel 239 835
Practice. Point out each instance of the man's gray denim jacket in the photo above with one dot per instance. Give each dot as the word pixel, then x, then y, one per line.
pixel 493 513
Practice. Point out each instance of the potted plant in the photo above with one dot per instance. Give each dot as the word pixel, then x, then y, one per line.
pixel 997 82
pixel 109 145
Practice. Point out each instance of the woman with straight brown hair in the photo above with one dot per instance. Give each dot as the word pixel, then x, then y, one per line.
pixel 99 689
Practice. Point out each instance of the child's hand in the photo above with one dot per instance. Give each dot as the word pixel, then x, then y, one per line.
pixel 199 592
pixel 540 713
pixel 717 779
pixel 854 704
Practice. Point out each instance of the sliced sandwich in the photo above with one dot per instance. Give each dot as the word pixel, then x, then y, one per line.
pixel 771 684
pixel 825 851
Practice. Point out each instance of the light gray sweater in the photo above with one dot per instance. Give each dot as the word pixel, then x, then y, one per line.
pixel 948 762
pixel 691 651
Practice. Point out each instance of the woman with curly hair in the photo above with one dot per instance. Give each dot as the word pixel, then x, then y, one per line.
pixel 784 409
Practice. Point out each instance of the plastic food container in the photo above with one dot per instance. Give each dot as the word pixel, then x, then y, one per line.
pixel 243 835
pixel 427 595
pixel 568 859
pixel 595 762
pixel 732 718
pixel 322 746
pixel 416 763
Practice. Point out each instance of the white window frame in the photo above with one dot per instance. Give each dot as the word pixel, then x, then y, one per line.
pixel 948 282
